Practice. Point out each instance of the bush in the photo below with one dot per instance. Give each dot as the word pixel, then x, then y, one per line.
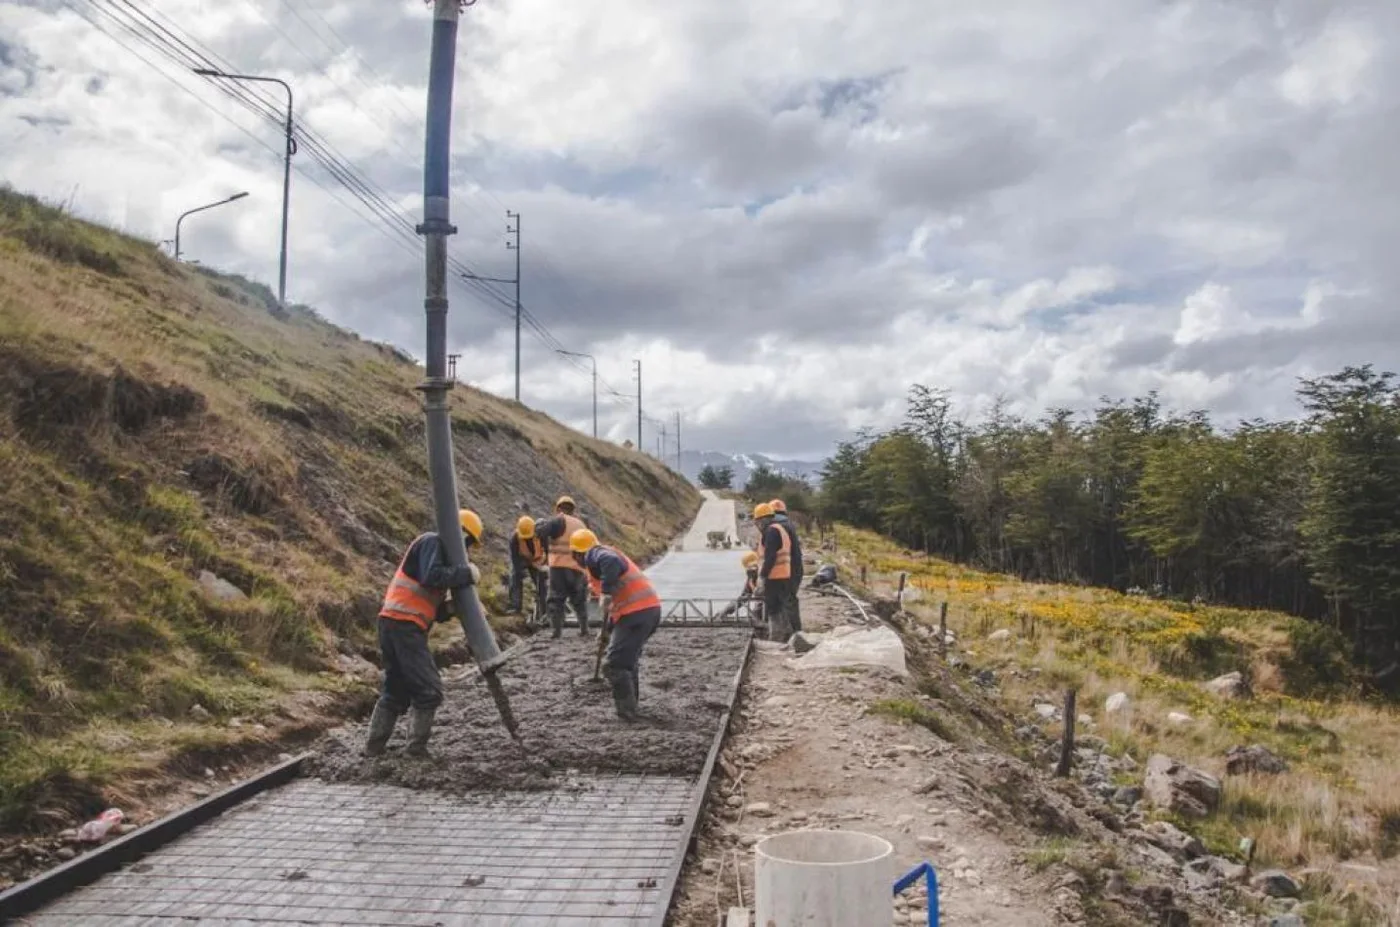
pixel 1317 662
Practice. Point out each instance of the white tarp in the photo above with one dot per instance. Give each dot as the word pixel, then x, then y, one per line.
pixel 849 646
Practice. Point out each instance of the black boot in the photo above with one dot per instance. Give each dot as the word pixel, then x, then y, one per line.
pixel 420 729
pixel 381 727
pixel 624 696
pixel 556 619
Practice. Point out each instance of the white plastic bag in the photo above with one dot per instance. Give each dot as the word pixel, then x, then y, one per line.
pixel 93 831
pixel 865 647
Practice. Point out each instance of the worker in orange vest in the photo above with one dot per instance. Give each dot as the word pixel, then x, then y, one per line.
pixel 630 606
pixel 780 517
pixel 775 571
pixel 567 585
pixel 416 600
pixel 527 561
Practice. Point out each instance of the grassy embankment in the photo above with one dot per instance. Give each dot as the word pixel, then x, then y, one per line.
pixel 1334 816
pixel 157 421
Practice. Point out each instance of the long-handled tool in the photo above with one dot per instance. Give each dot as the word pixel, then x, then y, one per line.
pixel 603 636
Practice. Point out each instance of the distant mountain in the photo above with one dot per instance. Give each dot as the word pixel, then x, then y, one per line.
pixel 693 461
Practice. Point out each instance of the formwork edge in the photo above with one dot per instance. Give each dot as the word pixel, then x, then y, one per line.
pixel 702 788
pixel 47 886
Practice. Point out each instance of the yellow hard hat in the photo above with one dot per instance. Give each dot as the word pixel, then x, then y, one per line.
pixel 778 505
pixel 750 559
pixel 525 527
pixel 563 501
pixel 582 541
pixel 763 510
pixel 471 523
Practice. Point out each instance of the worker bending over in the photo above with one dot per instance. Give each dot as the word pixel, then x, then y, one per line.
pixel 527 561
pixel 780 516
pixel 631 608
pixel 566 583
pixel 415 601
pixel 775 571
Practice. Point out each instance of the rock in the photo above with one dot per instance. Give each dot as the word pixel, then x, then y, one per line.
pixel 1179 717
pixel 985 678
pixel 1085 720
pixel 1046 711
pixel 759 809
pixel 1127 795
pixel 220 590
pixel 802 642
pixel 1174 840
pixel 1286 920
pixel 199 712
pixel 1116 702
pixel 1276 884
pixel 1217 867
pixel 929 842
pixel 1255 758
pixel 66 853
pixel 777 701
pixel 1092 741
pixel 200 792
pixel 748 840
pixel 735 801
pixel 1179 788
pixel 998 636
pixel 1231 685
pixel 709 866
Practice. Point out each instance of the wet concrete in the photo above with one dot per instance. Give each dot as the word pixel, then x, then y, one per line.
pixel 568 726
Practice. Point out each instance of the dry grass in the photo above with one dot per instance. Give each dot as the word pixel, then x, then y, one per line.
pixel 1337 809
pixel 156 421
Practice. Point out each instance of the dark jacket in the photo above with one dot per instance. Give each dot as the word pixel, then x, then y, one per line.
pixel 519 562
pixel 424 563
pixel 605 566
pixel 772 543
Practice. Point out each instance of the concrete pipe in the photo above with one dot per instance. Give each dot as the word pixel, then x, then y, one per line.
pixel 824 878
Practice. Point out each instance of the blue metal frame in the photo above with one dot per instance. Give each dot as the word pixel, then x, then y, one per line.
pixel 925 871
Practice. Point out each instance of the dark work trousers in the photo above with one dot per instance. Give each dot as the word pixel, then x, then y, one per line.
pixel 622 662
pixel 410 675
pixel 777 597
pixel 567 587
pixel 794 614
pixel 519 572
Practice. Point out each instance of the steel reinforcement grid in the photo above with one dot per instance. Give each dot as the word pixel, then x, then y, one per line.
pixel 278 849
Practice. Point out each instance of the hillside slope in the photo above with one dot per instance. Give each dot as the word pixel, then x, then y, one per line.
pixel 157 422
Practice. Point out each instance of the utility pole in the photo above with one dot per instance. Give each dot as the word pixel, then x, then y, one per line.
pixel 291 149
pixel 510 246
pixel 639 405
pixel 661 444
pixel 516 248
pixel 435 228
pixel 678 440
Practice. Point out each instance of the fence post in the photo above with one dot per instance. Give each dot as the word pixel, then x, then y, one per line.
pixel 1067 745
pixel 899 596
pixel 943 629
pixel 862 574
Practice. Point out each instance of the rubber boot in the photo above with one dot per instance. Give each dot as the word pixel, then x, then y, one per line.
pixel 381 727
pixel 624 696
pixel 420 729
pixel 556 619
pixel 583 621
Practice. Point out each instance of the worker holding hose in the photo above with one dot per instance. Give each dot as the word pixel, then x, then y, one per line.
pixel 780 517
pixel 527 561
pixel 415 601
pixel 567 586
pixel 631 614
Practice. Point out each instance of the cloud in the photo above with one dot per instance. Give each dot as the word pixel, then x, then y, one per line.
pixel 789 211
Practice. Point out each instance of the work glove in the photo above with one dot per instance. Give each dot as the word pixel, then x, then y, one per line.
pixel 467 575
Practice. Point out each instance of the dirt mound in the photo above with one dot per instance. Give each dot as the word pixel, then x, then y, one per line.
pixel 566 720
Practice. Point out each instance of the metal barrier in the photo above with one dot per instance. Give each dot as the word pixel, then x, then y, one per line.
pixel 710 612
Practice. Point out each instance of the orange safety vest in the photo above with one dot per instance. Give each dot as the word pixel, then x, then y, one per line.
pixel 531 550
pixel 634 593
pixel 782 563
pixel 409 600
pixel 560 555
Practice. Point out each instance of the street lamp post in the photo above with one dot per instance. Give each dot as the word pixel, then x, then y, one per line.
pixel 236 196
pixel 594 361
pixel 286 168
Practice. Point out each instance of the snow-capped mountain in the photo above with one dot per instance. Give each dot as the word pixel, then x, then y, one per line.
pixel 743 464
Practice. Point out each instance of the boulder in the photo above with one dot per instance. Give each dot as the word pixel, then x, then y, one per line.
pixel 1181 789
pixel 1116 702
pixel 1127 795
pixel 1277 884
pixel 1255 758
pixel 221 590
pixel 1174 840
pixel 998 636
pixel 1231 685
pixel 1046 712
pixel 1178 717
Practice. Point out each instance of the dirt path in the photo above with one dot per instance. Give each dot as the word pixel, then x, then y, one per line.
pixel 807 753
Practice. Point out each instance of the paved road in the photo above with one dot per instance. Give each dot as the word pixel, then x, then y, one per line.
pixel 715 514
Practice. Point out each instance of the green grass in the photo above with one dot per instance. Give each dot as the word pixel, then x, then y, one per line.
pixel 911 712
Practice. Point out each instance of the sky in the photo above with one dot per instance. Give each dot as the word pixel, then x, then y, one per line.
pixel 790 211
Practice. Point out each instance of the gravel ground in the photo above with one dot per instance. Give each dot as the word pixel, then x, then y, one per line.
pixel 567 722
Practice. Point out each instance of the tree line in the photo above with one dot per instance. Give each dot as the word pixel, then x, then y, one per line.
pixel 1301 516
